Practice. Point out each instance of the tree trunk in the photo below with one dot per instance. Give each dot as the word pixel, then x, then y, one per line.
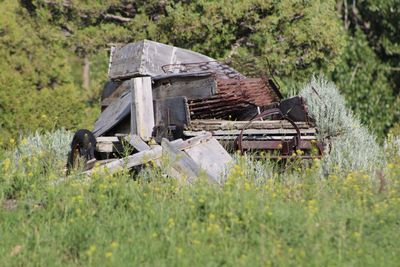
pixel 86 72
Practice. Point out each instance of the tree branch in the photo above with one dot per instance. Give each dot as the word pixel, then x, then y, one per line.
pixel 117 18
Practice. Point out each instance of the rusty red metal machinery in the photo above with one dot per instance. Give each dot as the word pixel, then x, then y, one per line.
pixel 248 114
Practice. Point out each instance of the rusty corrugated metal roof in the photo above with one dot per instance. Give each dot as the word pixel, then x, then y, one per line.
pixel 233 96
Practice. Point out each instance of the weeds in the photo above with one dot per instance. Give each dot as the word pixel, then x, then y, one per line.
pixel 263 216
pixel 334 211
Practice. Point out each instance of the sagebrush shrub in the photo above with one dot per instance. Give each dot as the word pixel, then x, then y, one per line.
pixel 350 145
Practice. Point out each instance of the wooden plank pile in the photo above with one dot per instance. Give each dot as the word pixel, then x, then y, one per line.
pixel 201 156
pixel 167 101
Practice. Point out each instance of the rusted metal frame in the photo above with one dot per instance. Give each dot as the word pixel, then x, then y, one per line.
pixel 272 144
pixel 217 107
pixel 287 157
pixel 216 101
pixel 212 124
pixel 287 146
pixel 295 108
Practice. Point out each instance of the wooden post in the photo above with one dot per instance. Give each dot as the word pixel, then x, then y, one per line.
pixel 142 113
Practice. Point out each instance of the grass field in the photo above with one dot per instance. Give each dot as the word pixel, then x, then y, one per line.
pixel 263 216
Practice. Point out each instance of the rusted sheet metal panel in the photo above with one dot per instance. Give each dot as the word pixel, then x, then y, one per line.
pixel 145 58
pixel 219 69
pixel 255 91
pixel 233 98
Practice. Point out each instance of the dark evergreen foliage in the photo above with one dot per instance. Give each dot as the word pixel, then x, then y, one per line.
pixel 43 44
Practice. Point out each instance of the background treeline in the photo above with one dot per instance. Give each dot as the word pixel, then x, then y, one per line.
pixel 54 53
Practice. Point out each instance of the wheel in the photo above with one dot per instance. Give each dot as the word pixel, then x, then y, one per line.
pixel 83 147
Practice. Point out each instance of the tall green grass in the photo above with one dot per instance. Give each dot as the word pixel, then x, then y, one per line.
pixel 261 217
pixel 324 213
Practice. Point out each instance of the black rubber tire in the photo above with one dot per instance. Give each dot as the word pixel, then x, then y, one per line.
pixel 83 145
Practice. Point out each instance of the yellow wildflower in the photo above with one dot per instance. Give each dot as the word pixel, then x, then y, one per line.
pixel 114 244
pixel 91 250
pixel 195 242
pixel 356 234
pixel 171 222
pixel 211 216
pixel 179 250
pixel 6 164
pixel 247 186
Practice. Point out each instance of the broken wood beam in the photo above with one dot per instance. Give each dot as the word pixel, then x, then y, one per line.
pixel 130 161
pixel 136 142
pixel 185 167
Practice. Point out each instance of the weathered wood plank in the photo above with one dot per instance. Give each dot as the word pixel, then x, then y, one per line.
pixel 192 87
pixel 113 114
pixel 154 153
pixel 172 111
pixel 194 141
pixel 110 139
pixel 147 58
pixel 187 168
pixel 130 161
pixel 142 113
pixel 108 144
pixel 212 158
pixel 190 158
pixel 137 142
pixel 204 154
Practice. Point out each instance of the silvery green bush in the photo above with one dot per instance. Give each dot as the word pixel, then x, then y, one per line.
pixel 50 148
pixel 350 145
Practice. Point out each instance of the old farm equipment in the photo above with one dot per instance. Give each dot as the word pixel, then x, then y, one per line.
pixel 195 107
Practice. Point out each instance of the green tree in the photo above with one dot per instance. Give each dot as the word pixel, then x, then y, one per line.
pixel 369 70
pixel 36 85
pixel 48 46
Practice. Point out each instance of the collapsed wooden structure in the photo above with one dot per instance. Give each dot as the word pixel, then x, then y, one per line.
pixel 164 95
